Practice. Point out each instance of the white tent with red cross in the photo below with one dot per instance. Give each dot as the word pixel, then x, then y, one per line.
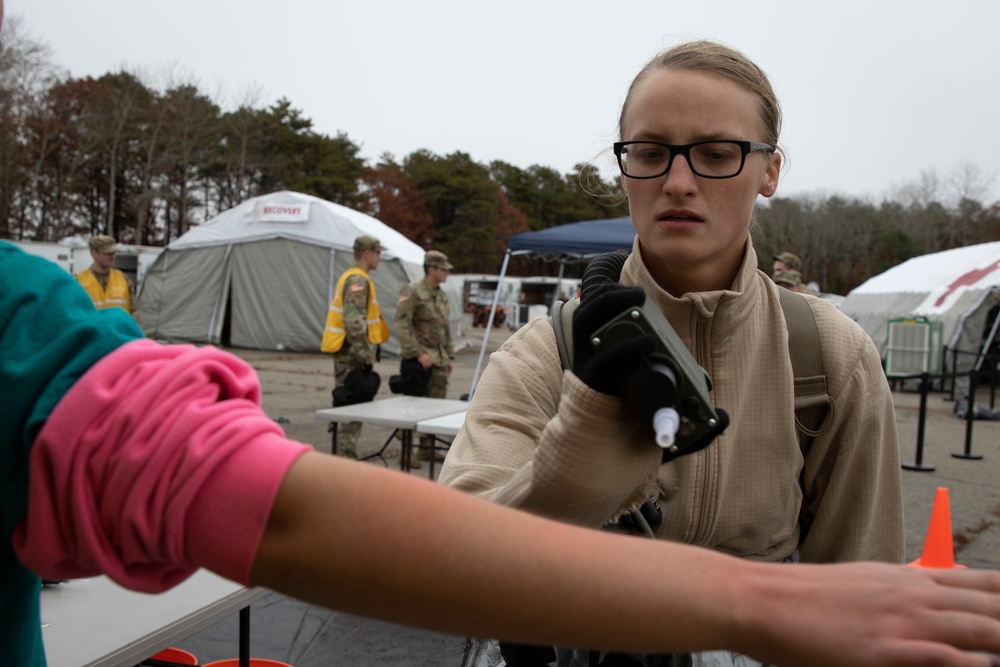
pixel 957 291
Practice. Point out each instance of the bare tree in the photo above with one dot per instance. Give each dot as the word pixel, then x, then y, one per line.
pixel 189 140
pixel 970 181
pixel 26 73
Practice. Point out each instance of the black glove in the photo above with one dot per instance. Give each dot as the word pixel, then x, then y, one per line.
pixel 608 370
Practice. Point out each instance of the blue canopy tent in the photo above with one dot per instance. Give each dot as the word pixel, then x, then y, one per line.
pixel 576 241
pixel 566 244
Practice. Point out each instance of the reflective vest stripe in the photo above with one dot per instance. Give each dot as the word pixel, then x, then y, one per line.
pixel 115 295
pixel 335 333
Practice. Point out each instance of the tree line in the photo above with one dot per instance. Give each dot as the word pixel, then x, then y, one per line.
pixel 116 155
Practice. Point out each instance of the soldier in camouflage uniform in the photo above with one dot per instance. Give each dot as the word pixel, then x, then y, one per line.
pixel 423 331
pixel 355 328
pixel 787 272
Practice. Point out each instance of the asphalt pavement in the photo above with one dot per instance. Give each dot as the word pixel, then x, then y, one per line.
pixel 295 385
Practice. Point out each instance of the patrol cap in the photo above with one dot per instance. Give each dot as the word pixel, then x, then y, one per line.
pixel 789 278
pixel 103 244
pixel 791 260
pixel 363 243
pixel 437 259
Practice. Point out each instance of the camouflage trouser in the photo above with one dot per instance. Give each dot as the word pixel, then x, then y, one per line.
pixel 347 432
pixel 437 387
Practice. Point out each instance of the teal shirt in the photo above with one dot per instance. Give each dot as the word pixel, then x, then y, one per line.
pixel 50 335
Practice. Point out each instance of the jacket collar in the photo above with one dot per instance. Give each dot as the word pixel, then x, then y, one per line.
pixel 736 302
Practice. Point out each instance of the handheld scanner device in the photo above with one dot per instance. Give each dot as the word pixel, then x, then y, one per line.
pixel 670 382
pixel 671 389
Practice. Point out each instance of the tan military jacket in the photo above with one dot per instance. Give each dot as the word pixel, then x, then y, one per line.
pixel 422 323
pixel 539 439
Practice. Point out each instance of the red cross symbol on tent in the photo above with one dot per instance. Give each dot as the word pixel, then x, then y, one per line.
pixel 967 279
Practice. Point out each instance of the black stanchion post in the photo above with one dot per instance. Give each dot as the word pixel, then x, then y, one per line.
pixel 993 384
pixel 918 463
pixel 954 369
pixel 970 414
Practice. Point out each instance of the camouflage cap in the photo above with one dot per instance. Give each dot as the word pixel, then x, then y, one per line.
pixel 103 244
pixel 437 259
pixel 790 278
pixel 363 243
pixel 791 260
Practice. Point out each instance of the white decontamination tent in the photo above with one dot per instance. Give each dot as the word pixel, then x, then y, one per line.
pixel 261 275
pixel 956 289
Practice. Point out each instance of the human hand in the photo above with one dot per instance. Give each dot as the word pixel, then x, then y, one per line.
pixel 605 370
pixel 875 614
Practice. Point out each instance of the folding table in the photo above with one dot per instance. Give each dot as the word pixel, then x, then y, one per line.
pixel 402 413
pixel 97 623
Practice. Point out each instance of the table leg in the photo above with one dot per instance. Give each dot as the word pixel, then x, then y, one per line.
pixel 245 636
pixel 404 459
pixel 333 437
pixel 434 440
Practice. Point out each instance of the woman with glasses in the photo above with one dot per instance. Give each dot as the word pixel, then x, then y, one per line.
pixel 94 483
pixel 699 133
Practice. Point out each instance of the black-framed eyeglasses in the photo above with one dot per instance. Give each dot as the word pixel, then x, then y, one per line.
pixel 708 159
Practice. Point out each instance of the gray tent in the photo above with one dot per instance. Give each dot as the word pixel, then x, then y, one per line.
pixel 261 275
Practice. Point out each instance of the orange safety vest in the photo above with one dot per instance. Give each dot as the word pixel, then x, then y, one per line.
pixel 115 295
pixel 335 333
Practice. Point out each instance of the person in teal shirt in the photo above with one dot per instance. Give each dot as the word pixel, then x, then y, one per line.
pixel 51 335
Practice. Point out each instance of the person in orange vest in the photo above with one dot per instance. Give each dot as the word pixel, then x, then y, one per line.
pixel 107 286
pixel 355 328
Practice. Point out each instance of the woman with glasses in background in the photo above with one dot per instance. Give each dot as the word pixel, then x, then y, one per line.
pixel 699 132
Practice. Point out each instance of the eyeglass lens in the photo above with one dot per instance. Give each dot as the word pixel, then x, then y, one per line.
pixel 716 159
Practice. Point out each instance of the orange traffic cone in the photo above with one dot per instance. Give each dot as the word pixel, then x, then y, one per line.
pixel 939 550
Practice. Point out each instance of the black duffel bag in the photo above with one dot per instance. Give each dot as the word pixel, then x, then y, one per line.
pixel 360 386
pixel 412 380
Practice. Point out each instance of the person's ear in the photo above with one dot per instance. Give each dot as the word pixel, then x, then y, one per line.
pixel 769 183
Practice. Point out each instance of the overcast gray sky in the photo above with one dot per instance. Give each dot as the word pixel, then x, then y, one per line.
pixel 875 92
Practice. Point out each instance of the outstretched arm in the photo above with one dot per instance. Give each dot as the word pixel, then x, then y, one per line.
pixel 352 537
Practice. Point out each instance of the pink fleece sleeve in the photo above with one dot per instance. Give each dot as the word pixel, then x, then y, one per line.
pixel 157 462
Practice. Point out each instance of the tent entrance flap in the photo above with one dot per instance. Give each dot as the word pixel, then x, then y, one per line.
pixel 220 319
pixel 278 294
pixel 184 293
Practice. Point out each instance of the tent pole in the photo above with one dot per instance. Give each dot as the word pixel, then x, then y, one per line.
pixel 489 323
pixel 987 343
pixel 562 270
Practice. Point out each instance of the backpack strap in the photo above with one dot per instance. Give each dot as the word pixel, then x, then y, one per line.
pixel 562 324
pixel 813 406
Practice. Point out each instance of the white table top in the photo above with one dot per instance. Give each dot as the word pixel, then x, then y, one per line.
pixel 444 425
pixel 97 623
pixel 398 412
